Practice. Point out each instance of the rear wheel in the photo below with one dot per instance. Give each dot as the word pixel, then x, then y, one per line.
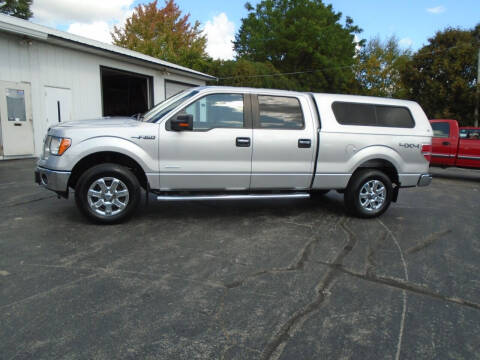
pixel 107 193
pixel 369 193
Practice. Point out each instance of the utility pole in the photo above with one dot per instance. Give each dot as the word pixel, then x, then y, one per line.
pixel 477 94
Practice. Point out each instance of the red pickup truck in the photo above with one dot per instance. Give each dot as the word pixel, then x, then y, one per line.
pixel 454 146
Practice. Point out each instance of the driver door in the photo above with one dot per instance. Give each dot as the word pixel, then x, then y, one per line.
pixel 216 154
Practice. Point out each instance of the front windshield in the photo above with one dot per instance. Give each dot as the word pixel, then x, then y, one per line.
pixel 163 108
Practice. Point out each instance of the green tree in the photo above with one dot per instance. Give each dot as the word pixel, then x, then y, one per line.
pixel 300 35
pixel 17 8
pixel 379 66
pixel 247 73
pixel 442 75
pixel 163 33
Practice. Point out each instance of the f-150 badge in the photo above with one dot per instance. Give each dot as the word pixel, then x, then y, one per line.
pixel 144 137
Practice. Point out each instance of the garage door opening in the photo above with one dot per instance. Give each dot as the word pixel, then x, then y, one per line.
pixel 125 93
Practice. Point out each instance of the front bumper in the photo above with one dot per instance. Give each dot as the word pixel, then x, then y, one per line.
pixel 54 180
pixel 425 180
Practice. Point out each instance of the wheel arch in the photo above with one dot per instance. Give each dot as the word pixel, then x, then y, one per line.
pixel 380 164
pixel 107 157
pixel 382 158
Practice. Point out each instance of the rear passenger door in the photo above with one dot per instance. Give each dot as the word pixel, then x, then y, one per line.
pixel 444 144
pixel 284 143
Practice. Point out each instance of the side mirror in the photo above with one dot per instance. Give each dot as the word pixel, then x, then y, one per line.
pixel 182 122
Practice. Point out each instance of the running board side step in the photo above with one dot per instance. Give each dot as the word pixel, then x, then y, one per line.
pixel 232 197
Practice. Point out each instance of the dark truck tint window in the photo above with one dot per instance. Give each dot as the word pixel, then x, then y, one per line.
pixel 280 112
pixel 394 116
pixel 354 114
pixel 372 115
pixel 441 129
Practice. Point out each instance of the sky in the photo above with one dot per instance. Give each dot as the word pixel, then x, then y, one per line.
pixel 411 21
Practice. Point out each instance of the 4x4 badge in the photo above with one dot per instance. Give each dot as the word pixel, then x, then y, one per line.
pixel 409 146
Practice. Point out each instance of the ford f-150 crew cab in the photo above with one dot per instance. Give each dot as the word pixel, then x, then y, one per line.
pixel 240 143
pixel 454 146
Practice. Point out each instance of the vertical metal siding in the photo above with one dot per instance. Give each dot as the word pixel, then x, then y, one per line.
pixel 42 64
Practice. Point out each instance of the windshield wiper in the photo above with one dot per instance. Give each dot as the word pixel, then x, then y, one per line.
pixel 137 116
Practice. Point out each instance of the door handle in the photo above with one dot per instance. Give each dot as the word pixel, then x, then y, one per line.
pixel 17 124
pixel 242 141
pixel 304 143
pixel 445 143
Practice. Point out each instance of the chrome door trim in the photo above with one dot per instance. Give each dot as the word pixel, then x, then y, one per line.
pixel 469 157
pixel 443 155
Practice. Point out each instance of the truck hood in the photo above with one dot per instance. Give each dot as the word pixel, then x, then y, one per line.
pixel 99 123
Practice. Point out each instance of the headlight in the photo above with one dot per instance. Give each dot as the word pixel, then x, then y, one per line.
pixel 46 147
pixel 55 145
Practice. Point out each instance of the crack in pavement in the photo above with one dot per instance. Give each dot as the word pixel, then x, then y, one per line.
pixel 370 262
pixel 428 241
pixel 274 348
pixel 111 271
pixel 404 293
pixel 302 257
pixel 298 264
pixel 49 291
pixel 221 324
pixel 403 285
pixel 29 201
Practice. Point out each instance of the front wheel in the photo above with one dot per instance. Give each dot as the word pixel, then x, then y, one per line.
pixel 107 193
pixel 369 193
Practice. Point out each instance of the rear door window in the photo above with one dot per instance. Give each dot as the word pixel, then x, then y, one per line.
pixel 441 129
pixel 280 112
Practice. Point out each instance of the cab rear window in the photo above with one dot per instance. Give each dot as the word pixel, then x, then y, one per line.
pixel 441 129
pixel 372 115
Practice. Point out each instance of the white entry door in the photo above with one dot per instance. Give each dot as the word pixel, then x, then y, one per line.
pixel 58 103
pixel 16 119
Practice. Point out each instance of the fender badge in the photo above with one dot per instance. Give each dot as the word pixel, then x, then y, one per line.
pixel 144 137
pixel 409 146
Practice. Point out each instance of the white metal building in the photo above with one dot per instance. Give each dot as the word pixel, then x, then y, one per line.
pixel 47 76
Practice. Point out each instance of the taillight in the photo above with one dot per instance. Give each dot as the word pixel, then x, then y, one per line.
pixel 427 152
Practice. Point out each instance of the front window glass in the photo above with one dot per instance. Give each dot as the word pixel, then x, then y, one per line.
pixel 472 134
pixel 217 111
pixel 163 108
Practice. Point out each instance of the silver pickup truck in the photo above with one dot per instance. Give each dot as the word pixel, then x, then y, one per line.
pixel 241 143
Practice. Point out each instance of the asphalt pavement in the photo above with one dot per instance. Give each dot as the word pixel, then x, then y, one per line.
pixel 277 279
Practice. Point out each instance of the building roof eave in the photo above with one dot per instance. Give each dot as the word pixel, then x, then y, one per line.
pixel 28 29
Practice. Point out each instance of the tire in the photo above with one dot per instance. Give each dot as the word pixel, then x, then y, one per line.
pixel 369 193
pixel 107 193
